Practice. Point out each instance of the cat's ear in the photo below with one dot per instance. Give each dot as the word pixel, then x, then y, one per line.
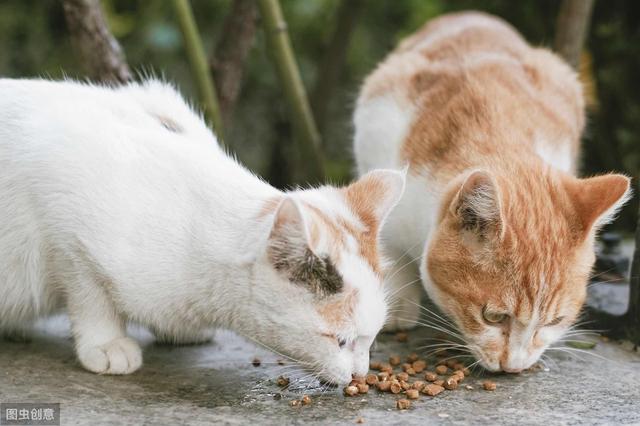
pixel 374 195
pixel 596 200
pixel 289 226
pixel 476 204
pixel 290 253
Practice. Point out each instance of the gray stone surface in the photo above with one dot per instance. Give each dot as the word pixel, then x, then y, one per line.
pixel 216 384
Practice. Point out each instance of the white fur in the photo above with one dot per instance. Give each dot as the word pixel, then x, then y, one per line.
pixel 107 213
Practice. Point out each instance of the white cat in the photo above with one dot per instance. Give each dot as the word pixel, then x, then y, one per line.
pixel 117 205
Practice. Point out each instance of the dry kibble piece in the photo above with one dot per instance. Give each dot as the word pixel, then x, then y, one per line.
pixel 451 363
pixel 384 386
pixel 403 404
pixel 395 387
pixel 360 420
pixel 405 366
pixel 351 390
pixel 432 389
pixel 413 394
pixel 394 360
pixel 282 381
pixel 401 336
pixel 256 362
pixel 403 377
pixel 430 376
pixel 306 400
pixel 419 366
pixel 442 369
pixel 375 365
pixel 371 379
pixel 405 385
pixel 410 371
pixel 439 382
pixel 382 376
pixel 451 383
pixel 466 372
pixel 489 385
pixel 386 367
pixel 357 380
pixel 418 385
pixel 458 366
pixel 362 388
pixel 294 403
pixel 412 357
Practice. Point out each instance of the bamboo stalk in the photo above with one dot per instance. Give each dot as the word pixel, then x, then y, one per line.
pixel 571 29
pixel 294 91
pixel 199 65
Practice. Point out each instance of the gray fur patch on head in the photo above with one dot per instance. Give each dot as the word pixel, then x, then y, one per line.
pixel 303 267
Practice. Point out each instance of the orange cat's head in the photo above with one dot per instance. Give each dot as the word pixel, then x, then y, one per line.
pixel 511 257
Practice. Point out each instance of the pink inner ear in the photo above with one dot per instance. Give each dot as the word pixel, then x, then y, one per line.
pixel 595 198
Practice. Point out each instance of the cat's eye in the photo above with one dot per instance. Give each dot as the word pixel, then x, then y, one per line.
pixel 554 322
pixel 341 343
pixel 493 317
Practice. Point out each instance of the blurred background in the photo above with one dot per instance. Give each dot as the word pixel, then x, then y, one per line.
pixel 336 43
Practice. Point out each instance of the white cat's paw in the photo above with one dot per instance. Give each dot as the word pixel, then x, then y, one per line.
pixel 119 356
pixel 403 315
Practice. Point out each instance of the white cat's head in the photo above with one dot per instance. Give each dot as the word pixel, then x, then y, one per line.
pixel 321 294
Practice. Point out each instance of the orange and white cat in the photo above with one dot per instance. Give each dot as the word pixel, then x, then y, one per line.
pixel 493 218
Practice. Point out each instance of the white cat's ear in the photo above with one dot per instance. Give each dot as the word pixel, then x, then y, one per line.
pixel 596 200
pixel 476 205
pixel 289 224
pixel 374 195
pixel 290 254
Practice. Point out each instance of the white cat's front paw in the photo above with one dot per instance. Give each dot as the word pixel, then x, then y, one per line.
pixel 403 315
pixel 119 356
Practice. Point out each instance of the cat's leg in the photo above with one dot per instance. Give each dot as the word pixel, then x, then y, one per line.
pixel 100 336
pixel 404 289
pixel 192 337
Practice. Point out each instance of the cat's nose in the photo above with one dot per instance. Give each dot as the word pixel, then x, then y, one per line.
pixel 509 369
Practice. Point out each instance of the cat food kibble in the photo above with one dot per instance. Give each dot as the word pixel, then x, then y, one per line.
pixel 413 394
pixel 439 382
pixel 418 385
pixel 405 366
pixel 413 357
pixel 432 389
pixel 356 380
pixel 371 379
pixel 403 377
pixel 405 386
pixel 430 376
pixel 394 360
pixel 306 400
pixel 386 367
pixel 351 391
pixel 419 366
pixel 442 369
pixel 256 362
pixel 282 381
pixel 375 365
pixel 384 386
pixel 395 387
pixel 410 371
pixel 451 383
pixel 382 376
pixel 403 404
pixel 489 385
pixel 362 388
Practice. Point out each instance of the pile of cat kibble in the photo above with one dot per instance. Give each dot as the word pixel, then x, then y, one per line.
pixel 411 379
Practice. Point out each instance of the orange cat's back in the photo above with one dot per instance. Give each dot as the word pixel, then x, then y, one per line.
pixel 475 89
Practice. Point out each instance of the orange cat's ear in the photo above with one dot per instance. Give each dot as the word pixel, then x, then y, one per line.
pixel 374 195
pixel 596 200
pixel 476 205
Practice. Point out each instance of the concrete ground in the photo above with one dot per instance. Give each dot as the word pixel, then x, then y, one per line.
pixel 216 384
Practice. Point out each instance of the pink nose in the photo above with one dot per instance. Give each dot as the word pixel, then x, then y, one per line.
pixel 509 369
